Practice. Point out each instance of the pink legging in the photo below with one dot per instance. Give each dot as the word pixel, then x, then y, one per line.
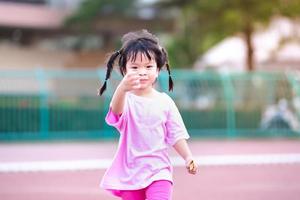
pixel 158 190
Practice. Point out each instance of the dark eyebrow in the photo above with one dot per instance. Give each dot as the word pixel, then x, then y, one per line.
pixel 150 62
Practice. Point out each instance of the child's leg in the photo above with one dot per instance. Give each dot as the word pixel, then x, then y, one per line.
pixel 159 190
pixel 133 194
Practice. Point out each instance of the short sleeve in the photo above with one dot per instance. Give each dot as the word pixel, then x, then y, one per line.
pixel 117 121
pixel 176 129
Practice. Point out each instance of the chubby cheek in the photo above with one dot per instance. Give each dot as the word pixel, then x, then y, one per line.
pixel 153 77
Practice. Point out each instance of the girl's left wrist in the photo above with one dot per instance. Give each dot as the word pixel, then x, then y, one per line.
pixel 188 159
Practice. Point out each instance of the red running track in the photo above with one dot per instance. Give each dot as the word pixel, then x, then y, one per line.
pixel 246 182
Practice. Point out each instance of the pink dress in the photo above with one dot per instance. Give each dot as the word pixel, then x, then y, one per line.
pixel 147 127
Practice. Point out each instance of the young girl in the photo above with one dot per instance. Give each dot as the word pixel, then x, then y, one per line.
pixel 148 122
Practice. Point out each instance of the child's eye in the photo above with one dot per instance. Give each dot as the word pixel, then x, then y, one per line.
pixel 133 67
pixel 149 66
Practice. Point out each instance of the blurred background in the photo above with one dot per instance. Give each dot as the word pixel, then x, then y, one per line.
pixel 236 67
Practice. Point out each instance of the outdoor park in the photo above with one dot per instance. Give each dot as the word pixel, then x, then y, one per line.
pixel 235 65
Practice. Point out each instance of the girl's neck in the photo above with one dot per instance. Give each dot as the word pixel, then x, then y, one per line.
pixel 144 93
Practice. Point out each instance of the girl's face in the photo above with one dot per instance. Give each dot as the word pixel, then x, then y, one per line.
pixel 145 68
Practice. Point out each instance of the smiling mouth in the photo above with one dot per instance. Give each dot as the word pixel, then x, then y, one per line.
pixel 143 80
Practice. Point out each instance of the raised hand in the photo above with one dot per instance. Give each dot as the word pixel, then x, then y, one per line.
pixel 131 81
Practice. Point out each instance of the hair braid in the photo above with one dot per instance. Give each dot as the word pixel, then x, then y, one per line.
pixel 171 84
pixel 109 65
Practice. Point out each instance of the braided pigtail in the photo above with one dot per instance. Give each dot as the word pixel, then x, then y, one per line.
pixel 110 65
pixel 171 84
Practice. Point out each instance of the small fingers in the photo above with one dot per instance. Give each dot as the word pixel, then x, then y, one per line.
pixel 192 167
pixel 132 81
pixel 135 83
pixel 132 75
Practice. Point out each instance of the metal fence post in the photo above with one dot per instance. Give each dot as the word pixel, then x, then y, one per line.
pixel 294 81
pixel 44 107
pixel 230 114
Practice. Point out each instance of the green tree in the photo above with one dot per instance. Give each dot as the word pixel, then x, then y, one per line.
pixel 205 22
pixel 90 10
pixel 112 18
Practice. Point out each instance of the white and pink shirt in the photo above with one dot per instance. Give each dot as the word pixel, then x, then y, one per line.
pixel 147 127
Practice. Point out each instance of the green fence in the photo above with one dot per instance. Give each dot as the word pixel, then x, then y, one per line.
pixel 63 104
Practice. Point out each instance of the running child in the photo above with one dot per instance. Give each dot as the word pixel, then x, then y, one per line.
pixel 148 122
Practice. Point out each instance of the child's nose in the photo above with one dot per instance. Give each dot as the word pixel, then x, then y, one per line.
pixel 142 72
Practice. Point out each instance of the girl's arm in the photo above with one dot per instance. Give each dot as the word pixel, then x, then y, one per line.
pixel 184 151
pixel 117 101
pixel 129 82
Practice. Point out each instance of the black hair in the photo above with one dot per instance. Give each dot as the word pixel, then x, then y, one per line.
pixel 133 43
